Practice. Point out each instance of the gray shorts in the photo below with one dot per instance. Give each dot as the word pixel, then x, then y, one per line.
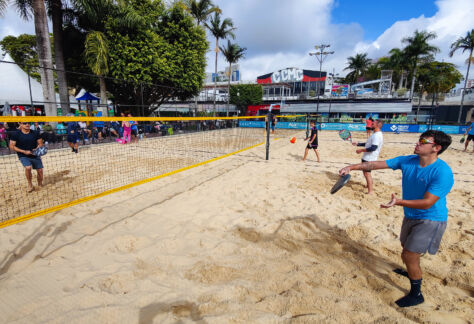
pixel 421 235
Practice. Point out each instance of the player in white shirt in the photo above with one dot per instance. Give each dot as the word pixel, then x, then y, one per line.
pixel 371 151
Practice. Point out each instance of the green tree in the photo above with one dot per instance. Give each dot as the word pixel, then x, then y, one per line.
pixel 466 44
pixel 23 51
pixel 163 59
pixel 417 49
pixel 438 77
pixel 201 9
pixel 243 95
pixel 358 64
pixel 220 30
pixel 96 55
pixel 232 53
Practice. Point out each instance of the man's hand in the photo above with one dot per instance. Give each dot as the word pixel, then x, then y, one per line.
pixel 354 143
pixel 391 203
pixel 28 152
pixel 345 170
pixel 359 151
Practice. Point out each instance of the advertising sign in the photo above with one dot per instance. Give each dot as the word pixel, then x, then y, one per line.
pixel 400 128
pixel 339 90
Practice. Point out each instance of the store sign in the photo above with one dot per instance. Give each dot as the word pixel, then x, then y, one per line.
pixel 287 75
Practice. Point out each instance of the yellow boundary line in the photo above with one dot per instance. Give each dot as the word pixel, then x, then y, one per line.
pixel 40 119
pixel 110 191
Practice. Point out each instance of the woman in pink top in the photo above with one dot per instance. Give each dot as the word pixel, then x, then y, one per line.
pixel 127 130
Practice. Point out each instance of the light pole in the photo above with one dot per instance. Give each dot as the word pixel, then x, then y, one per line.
pixel 321 55
pixel 333 75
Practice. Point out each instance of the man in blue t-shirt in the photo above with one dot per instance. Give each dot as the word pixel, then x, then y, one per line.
pixel 426 181
pixel 470 136
pixel 24 142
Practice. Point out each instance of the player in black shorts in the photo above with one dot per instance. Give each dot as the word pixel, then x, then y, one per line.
pixel 313 142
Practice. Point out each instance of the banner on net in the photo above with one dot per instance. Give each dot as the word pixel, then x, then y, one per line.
pixel 356 127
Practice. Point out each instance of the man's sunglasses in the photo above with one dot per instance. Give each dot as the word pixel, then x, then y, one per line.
pixel 425 141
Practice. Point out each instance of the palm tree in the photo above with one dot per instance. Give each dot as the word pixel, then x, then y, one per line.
pixel 466 44
pixel 45 57
pixel 358 64
pixel 417 48
pixel 233 53
pixel 398 63
pixel 56 12
pixel 201 9
pixel 220 30
pixel 92 15
pixel 96 54
pixel 3 6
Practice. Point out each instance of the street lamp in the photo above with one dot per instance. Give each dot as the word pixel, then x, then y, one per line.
pixel 321 55
pixel 333 75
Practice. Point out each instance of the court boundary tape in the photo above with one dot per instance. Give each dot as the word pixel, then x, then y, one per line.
pixel 114 190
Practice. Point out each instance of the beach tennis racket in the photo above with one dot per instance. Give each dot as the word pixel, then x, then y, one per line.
pixel 462 139
pixel 340 183
pixel 345 135
pixel 40 151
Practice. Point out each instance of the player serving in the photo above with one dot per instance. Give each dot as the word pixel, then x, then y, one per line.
pixel 426 181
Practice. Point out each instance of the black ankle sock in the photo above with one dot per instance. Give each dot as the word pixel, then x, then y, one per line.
pixel 401 272
pixel 414 297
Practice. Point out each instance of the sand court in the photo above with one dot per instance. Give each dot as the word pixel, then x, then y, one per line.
pixel 241 240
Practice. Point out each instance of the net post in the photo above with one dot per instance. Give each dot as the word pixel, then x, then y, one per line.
pixel 267 126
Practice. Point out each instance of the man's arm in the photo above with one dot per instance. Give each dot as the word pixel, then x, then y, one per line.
pixel 467 130
pixel 313 138
pixel 364 166
pixel 16 149
pixel 425 203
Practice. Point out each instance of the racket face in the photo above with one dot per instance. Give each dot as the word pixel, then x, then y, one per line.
pixel 345 134
pixel 340 183
pixel 462 140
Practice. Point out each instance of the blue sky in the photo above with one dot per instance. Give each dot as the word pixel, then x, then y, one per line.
pixel 375 16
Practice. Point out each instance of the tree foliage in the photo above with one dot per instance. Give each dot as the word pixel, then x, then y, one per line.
pixel 358 64
pixel 243 95
pixel 164 58
pixel 438 77
pixel 22 49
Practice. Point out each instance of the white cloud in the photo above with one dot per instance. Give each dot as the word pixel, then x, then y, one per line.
pixel 12 24
pixel 280 34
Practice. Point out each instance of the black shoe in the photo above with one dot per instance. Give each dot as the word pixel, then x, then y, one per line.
pixel 76 151
pixel 410 300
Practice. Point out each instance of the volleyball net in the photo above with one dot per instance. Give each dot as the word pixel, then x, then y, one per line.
pixel 110 159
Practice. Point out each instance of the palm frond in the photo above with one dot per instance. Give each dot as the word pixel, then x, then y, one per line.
pixel 96 53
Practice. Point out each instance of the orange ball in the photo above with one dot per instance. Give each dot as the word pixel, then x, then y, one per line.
pixel 293 140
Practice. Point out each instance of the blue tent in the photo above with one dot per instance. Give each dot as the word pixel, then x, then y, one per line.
pixel 87 96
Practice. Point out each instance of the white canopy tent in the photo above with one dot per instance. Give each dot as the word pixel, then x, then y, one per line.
pixel 14 87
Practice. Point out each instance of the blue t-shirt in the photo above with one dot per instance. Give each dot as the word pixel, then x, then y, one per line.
pixel 471 132
pixel 133 125
pixel 436 178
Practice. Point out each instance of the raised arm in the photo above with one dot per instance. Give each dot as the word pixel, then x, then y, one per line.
pixel 364 166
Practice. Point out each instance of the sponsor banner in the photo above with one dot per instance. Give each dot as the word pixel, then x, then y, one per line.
pixel 400 128
pixel 339 126
pixel 359 127
pixel 339 90
pixel 251 123
pixel 444 128
pixel 463 129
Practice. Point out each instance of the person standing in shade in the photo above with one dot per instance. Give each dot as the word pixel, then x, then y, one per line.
pixel 72 132
pixel 313 142
pixel 470 136
pixel 371 151
pixel 24 141
pixel 426 181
